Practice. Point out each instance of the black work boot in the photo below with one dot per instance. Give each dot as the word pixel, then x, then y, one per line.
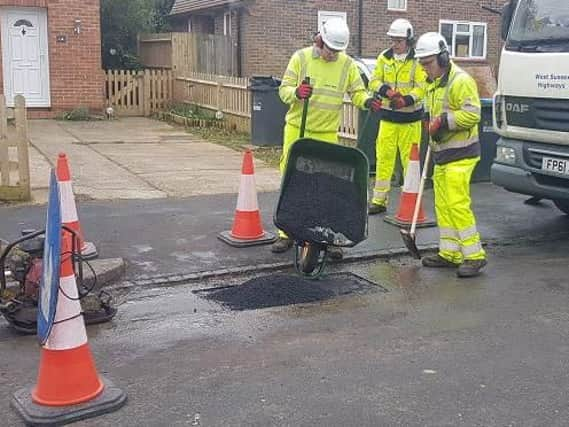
pixel 335 253
pixel 437 261
pixel 470 267
pixel 282 244
pixel 374 209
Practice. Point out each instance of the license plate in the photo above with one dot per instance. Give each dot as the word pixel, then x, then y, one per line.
pixel 555 165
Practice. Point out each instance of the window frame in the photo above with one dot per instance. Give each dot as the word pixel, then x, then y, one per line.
pixel 471 25
pixel 397 9
pixel 326 14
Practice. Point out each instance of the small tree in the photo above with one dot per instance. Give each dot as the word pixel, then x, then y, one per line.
pixel 122 21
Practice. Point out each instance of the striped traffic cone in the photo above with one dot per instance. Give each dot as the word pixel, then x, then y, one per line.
pixel 247 228
pixel 408 198
pixel 68 387
pixel 69 209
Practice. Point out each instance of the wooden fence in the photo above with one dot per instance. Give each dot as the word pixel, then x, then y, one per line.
pixel 228 95
pixel 138 93
pixel 14 153
pixel 231 96
pixel 189 52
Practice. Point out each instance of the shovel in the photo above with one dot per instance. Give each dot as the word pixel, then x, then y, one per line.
pixel 408 236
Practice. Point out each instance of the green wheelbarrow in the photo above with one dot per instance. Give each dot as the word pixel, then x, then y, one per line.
pixel 323 201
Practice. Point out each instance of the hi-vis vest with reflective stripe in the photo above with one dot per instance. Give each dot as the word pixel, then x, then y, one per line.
pixel 455 94
pixel 330 80
pixel 407 77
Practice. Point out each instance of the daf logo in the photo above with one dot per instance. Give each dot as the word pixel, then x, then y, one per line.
pixel 517 108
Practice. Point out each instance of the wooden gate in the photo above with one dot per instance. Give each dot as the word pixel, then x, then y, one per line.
pixel 138 93
pixel 14 153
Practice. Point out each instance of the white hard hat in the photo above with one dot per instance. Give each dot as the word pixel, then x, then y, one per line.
pixel 430 44
pixel 336 34
pixel 401 28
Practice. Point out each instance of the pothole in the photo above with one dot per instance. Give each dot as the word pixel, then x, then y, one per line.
pixel 281 290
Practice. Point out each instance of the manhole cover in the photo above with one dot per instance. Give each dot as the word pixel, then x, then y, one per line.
pixel 280 289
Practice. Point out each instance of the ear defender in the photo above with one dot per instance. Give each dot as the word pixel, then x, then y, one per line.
pixel 443 58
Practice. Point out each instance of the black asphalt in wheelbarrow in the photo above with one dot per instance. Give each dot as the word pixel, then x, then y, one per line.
pixel 324 194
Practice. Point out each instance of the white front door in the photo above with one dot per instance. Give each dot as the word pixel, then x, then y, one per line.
pixel 25 56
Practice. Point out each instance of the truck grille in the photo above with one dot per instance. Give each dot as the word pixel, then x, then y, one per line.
pixel 534 156
pixel 552 114
pixel 538 113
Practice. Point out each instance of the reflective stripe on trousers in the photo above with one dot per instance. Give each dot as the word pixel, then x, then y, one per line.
pixel 392 137
pixel 291 134
pixel 459 238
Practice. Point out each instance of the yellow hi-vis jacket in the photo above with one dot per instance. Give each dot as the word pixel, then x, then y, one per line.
pixel 330 82
pixel 455 95
pixel 407 77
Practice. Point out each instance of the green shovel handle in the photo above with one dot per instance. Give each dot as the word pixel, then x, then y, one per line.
pixel 304 111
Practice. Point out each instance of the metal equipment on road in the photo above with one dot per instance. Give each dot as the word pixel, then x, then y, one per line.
pixel 408 236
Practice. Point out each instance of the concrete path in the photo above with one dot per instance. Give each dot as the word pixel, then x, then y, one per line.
pixel 136 158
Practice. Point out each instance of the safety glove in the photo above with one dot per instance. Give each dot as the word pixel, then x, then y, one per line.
pixel 373 104
pixel 437 126
pixel 304 91
pixel 387 92
pixel 401 101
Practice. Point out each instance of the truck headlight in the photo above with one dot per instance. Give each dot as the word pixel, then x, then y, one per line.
pixel 506 155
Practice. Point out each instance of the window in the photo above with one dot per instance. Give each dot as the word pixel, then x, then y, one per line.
pixel 396 4
pixel 465 39
pixel 23 22
pixel 227 24
pixel 324 15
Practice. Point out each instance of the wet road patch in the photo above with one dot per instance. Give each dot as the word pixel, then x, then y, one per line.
pixel 281 289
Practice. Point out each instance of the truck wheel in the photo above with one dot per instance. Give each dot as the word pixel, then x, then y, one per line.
pixel 563 205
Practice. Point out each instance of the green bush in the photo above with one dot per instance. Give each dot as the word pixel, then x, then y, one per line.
pixel 77 114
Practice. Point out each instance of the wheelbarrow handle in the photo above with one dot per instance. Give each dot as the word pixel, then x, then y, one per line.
pixel 369 113
pixel 304 111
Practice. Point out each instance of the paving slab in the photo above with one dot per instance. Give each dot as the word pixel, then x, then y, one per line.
pixel 137 158
pixel 129 129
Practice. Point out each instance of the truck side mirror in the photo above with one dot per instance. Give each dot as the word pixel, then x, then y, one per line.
pixel 507 12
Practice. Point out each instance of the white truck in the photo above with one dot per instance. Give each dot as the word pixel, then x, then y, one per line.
pixel 531 105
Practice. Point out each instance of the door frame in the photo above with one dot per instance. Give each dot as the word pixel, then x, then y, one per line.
pixel 43 53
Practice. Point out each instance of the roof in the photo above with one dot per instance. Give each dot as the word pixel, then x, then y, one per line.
pixel 187 6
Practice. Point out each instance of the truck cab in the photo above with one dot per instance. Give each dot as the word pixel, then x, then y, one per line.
pixel 531 104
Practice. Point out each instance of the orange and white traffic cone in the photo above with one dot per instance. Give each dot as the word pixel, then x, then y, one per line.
pixel 69 209
pixel 247 227
pixel 68 386
pixel 67 373
pixel 408 198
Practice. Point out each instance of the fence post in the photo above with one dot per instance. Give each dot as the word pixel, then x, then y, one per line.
pixel 146 97
pixel 4 153
pixel 22 142
pixel 219 94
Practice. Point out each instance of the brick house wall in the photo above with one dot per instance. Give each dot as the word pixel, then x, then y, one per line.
pixel 263 34
pixel 271 30
pixel 425 16
pixel 75 69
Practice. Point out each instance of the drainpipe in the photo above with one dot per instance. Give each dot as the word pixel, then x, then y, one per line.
pixel 360 23
pixel 239 48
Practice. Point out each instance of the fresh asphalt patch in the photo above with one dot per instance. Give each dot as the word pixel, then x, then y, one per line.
pixel 276 290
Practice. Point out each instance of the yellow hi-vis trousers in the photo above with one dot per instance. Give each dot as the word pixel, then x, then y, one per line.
pixel 291 134
pixel 392 137
pixel 459 238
